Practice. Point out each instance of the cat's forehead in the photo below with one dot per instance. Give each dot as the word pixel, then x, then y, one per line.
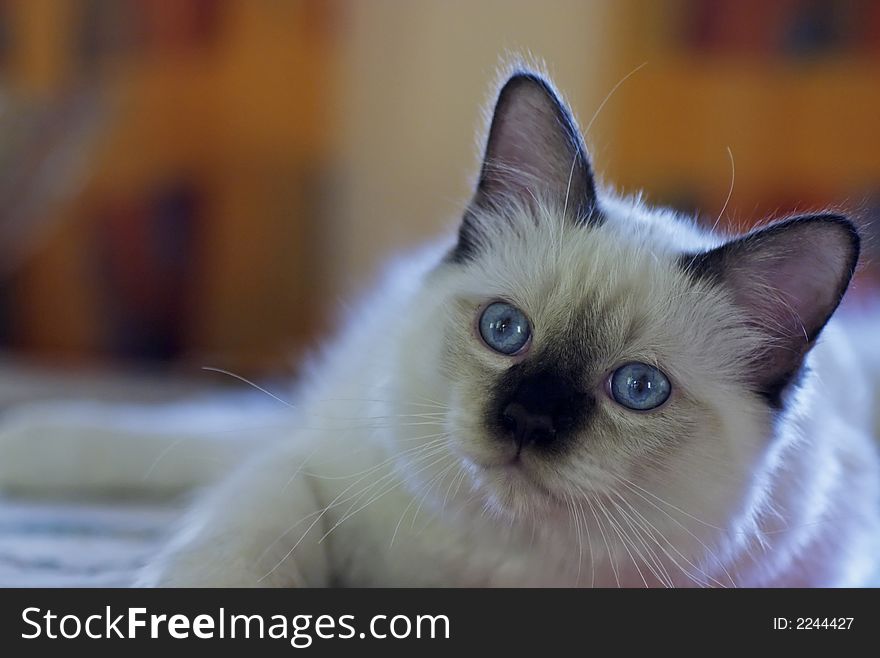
pixel 557 270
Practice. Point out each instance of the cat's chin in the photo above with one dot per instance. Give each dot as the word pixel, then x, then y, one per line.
pixel 511 487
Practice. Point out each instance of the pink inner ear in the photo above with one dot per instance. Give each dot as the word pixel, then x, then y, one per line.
pixel 529 147
pixel 792 280
pixel 788 279
pixel 534 149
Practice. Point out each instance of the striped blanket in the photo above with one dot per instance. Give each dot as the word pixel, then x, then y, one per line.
pixel 52 544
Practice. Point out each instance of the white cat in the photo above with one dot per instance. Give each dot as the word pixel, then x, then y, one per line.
pixel 577 391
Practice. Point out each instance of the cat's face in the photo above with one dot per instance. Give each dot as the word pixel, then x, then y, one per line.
pixel 612 377
pixel 592 354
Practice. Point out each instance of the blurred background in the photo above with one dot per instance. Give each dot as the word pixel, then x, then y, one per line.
pixel 207 182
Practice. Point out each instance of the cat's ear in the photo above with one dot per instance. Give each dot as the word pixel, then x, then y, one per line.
pixel 534 151
pixel 534 148
pixel 787 278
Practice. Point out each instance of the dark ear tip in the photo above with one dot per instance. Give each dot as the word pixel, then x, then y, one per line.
pixel 524 75
pixel 845 226
pixel 710 264
pixel 833 220
pixel 850 227
pixel 524 78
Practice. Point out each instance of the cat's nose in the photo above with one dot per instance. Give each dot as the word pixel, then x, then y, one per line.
pixel 542 410
pixel 526 426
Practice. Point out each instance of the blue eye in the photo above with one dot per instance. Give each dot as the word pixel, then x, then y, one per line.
pixel 639 386
pixel 504 328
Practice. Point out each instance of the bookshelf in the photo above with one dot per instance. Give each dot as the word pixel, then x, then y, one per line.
pixel 193 229
pixel 791 87
pixel 195 206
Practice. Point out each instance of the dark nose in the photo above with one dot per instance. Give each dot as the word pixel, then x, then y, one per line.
pixel 527 427
pixel 541 408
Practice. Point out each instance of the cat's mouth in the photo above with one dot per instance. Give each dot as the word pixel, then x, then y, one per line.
pixel 512 472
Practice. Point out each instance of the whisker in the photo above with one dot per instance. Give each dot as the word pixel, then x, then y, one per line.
pixel 652 562
pixel 610 94
pixel 375 467
pixel 644 520
pixel 729 191
pixel 387 490
pixel 429 488
pixel 605 540
pixel 627 483
pixel 249 383
pixel 334 502
pixel 573 513
pixel 614 526
pixel 667 503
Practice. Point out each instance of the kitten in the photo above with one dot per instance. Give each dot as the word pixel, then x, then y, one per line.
pixel 576 390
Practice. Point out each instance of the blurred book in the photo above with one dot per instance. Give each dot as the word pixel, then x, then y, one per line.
pixel 146 257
